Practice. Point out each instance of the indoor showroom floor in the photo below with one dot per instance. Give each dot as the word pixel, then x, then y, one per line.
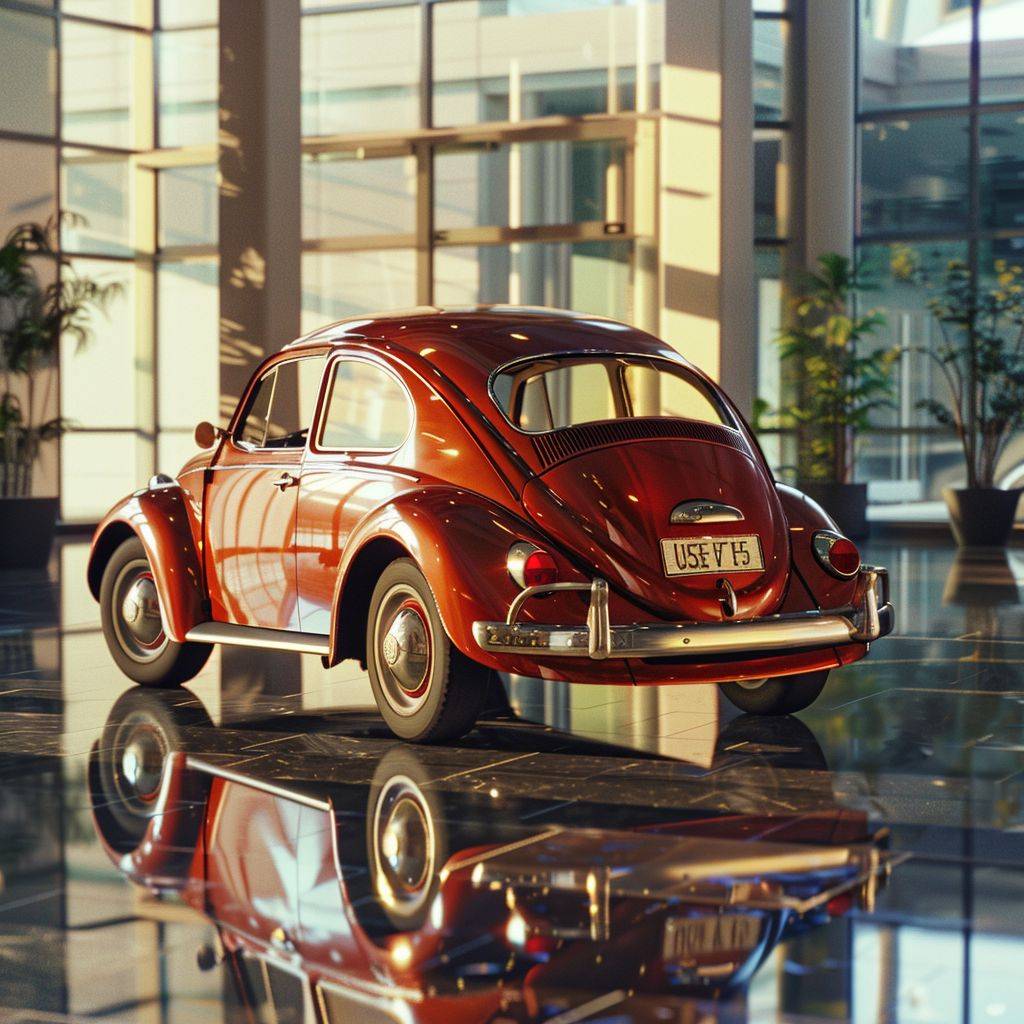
pixel 255 847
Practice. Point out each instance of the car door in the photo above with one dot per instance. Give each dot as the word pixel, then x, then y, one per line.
pixel 361 456
pixel 251 499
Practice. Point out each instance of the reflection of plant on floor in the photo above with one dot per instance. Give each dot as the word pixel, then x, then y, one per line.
pixel 33 318
pixel 980 356
pixel 838 381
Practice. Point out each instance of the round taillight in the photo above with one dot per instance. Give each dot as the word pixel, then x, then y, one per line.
pixel 539 569
pixel 837 554
pixel 530 566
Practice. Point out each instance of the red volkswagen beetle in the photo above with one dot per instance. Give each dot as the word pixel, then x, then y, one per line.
pixel 443 493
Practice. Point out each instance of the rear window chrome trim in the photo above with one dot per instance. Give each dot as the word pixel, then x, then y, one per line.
pixel 678 363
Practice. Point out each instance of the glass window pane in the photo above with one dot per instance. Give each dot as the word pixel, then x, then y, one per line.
pixel 28 52
pixel 768 264
pixel 770 6
pixel 770 39
pixel 187 12
pixel 591 277
pixel 188 82
pixel 349 197
pixel 105 383
pixel 253 428
pixel 560 182
pixel 188 359
pixel 97 66
pixel 173 449
pixel 1002 170
pixel 914 174
pixel 771 183
pixel 360 71
pixel 909 468
pixel 495 61
pixel 98 469
pixel 188 203
pixel 366 408
pixel 128 12
pixel 655 392
pixel 1002 50
pixel 97 191
pixel 29 175
pixel 914 54
pixel 336 285
pixel 287 423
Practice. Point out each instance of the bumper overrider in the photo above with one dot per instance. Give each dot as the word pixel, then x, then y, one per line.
pixel 869 617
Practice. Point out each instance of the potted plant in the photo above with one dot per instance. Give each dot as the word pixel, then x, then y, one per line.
pixel 980 356
pixel 34 315
pixel 837 382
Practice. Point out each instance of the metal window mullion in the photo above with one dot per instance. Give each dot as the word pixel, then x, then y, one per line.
pixel 424 224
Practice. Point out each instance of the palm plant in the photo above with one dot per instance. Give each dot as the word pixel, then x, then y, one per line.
pixel 980 355
pixel 838 383
pixel 34 316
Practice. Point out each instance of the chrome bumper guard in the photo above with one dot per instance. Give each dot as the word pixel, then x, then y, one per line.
pixel 868 618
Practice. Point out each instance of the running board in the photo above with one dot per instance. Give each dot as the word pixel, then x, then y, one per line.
pixel 257 636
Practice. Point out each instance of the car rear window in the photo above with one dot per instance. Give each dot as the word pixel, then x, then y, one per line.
pixel 565 392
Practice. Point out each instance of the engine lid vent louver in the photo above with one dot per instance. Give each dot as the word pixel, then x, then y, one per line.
pixel 558 445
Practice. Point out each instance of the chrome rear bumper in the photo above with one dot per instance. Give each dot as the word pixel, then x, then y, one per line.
pixel 868 618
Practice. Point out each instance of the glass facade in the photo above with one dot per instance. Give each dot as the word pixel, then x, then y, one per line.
pixel 465 151
pixel 774 182
pixel 80 132
pixel 504 207
pixel 941 177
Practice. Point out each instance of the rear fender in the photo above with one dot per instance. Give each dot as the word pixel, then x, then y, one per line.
pixel 166 522
pixel 806 517
pixel 460 541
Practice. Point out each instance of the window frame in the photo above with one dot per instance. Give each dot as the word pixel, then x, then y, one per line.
pixel 315 440
pixel 253 390
pixel 681 369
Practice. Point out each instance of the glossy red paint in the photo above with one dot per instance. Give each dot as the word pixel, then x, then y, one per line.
pixel 232 545
pixel 165 519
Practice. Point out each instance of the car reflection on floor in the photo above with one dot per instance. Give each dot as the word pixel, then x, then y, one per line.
pixel 393 890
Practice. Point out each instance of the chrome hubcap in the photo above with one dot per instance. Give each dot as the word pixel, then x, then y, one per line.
pixel 403 846
pixel 140 750
pixel 137 612
pixel 141 765
pixel 404 649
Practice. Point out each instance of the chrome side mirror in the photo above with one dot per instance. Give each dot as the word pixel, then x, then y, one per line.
pixel 207 435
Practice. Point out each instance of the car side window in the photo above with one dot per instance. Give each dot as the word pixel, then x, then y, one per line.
pixel 282 406
pixel 366 408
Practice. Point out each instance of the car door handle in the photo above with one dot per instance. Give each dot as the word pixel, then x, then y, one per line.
pixel 286 480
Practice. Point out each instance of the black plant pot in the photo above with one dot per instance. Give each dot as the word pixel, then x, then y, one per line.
pixel 982 517
pixel 847 504
pixel 27 526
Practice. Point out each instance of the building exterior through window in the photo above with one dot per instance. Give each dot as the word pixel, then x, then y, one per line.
pixel 672 163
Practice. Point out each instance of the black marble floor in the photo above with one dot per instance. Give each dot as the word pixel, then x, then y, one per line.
pixel 256 847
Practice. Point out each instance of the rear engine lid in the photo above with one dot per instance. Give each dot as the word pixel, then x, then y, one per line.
pixel 691 529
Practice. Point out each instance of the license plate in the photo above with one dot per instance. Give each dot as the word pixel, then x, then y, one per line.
pixel 687 938
pixel 690 557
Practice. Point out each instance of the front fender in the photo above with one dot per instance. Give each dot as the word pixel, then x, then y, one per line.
pixel 460 540
pixel 164 520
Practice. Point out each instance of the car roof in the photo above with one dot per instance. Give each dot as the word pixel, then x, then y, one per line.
pixel 487 336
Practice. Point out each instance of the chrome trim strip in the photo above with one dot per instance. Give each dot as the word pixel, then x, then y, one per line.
pixel 257 636
pixel 870 617
pixel 264 785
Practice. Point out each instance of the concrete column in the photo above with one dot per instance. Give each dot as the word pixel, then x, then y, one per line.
pixel 706 191
pixel 829 128
pixel 260 202
pixel 260 236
